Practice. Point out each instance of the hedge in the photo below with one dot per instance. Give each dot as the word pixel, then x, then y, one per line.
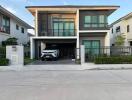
pixel 4 62
pixel 114 60
pixel 2 52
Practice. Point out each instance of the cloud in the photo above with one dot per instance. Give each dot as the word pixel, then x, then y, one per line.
pixel 65 2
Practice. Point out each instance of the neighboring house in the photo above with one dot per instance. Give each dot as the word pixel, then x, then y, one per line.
pixel 30 34
pixel 69 27
pixel 122 26
pixel 12 26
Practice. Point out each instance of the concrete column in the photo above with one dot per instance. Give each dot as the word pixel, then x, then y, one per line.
pixel 77 27
pixel 43 46
pixel 82 54
pixel 36 23
pixel 32 48
pixel 107 43
pixel 15 54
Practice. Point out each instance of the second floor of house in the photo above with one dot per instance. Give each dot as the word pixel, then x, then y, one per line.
pixel 11 24
pixel 122 26
pixel 69 20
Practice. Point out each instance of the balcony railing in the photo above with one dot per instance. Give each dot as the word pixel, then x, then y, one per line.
pixel 58 32
pixel 96 25
pixel 5 29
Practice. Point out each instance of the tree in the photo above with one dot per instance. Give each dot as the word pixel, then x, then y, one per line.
pixel 119 40
pixel 10 41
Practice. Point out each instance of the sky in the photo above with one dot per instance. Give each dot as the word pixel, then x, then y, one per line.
pixel 17 7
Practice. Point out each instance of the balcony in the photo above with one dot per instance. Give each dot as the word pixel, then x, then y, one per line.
pixel 58 32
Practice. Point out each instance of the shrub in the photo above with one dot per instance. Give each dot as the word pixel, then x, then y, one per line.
pixel 4 62
pixel 9 41
pixel 2 52
pixel 113 60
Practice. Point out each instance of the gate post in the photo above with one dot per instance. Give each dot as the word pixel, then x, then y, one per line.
pixel 15 54
pixel 82 54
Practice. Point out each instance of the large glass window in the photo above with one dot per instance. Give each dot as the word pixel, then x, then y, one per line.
pixel 63 28
pixel 91 46
pixel 95 21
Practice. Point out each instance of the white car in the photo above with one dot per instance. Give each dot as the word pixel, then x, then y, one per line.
pixel 50 54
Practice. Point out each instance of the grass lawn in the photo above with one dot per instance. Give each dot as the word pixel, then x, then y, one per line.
pixel 28 60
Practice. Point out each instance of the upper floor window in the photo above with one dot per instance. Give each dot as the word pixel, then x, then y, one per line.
pixel 128 28
pixel 22 30
pixel 17 27
pixel 87 20
pixel 102 21
pixel 112 31
pixel 6 24
pixel 95 21
pixel 118 29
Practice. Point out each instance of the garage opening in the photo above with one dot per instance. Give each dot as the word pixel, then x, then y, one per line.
pixel 66 48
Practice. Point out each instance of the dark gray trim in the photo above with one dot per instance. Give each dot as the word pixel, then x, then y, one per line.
pixel 71 6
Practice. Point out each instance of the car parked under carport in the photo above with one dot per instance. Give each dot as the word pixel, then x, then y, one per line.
pixel 67 49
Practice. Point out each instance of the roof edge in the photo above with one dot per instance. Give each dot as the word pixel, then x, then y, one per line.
pixel 120 19
pixel 15 17
pixel 72 6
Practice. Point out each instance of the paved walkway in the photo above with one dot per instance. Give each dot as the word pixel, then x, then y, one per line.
pixel 66 85
pixel 86 66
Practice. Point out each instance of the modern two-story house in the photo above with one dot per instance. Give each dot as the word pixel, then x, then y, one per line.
pixel 12 26
pixel 122 27
pixel 69 27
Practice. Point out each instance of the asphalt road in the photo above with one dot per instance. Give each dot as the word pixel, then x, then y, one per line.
pixel 66 85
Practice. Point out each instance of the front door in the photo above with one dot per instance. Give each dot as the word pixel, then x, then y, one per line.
pixel 91 49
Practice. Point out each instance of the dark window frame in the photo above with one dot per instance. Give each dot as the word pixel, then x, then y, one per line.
pixel 22 30
pixel 6 27
pixel 17 27
pixel 112 31
pixel 128 28
pixel 118 29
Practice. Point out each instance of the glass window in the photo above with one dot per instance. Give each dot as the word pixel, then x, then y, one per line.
pixel 101 19
pixel 87 19
pixel 72 29
pixel 56 25
pixel 17 27
pixel 6 24
pixel 61 29
pixel 95 19
pixel 128 28
pixel 22 30
pixel 118 29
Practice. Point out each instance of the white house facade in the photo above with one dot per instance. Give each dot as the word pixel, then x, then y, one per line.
pixel 12 26
pixel 123 27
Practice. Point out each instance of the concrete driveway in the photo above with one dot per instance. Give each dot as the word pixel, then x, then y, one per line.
pixel 66 85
